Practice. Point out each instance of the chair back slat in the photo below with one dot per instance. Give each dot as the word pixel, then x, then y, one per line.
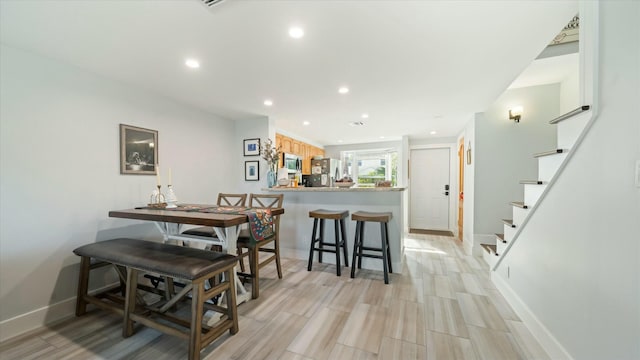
pixel 266 200
pixel 232 199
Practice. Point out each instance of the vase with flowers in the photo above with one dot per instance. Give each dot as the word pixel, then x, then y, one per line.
pixel 271 154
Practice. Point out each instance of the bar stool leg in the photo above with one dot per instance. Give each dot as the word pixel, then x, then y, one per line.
pixel 320 245
pixel 385 249
pixel 313 243
pixel 386 231
pixel 344 243
pixel 361 224
pixel 337 238
pixel 356 244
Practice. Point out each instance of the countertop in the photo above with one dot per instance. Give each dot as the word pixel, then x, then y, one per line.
pixel 333 189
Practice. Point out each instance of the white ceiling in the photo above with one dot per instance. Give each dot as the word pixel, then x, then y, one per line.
pixel 413 66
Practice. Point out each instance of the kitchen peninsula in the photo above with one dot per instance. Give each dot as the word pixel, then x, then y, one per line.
pixel 296 226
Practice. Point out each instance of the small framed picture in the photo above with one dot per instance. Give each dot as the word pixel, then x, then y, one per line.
pixel 252 170
pixel 138 150
pixel 251 147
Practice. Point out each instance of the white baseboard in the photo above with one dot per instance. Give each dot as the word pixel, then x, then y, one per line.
pixel 35 319
pixel 554 349
pixel 32 320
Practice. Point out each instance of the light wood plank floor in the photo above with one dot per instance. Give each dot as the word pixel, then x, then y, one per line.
pixel 441 306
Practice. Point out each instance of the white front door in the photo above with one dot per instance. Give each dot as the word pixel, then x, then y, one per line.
pixel 429 180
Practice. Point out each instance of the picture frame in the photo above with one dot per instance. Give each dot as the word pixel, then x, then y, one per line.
pixel 252 170
pixel 138 150
pixel 251 147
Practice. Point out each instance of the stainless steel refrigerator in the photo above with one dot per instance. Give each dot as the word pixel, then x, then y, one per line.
pixel 324 172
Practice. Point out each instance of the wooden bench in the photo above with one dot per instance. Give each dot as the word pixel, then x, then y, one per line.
pixel 192 266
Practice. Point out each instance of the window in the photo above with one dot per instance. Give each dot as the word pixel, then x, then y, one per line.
pixel 368 166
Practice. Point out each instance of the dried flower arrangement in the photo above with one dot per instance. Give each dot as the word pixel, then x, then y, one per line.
pixel 271 154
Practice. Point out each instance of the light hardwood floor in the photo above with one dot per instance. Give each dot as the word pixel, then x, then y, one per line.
pixel 441 306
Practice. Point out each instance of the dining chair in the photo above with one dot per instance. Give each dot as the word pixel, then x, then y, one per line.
pixel 223 200
pixel 254 248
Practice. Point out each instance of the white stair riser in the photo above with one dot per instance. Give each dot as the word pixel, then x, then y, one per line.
pixel 570 129
pixel 548 166
pixel 532 193
pixel 519 214
pixel 509 232
pixel 490 259
pixel 501 247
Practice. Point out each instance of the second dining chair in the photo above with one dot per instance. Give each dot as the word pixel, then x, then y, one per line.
pixel 254 248
pixel 223 200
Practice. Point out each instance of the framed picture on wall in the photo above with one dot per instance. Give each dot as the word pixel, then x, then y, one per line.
pixel 252 170
pixel 251 147
pixel 138 150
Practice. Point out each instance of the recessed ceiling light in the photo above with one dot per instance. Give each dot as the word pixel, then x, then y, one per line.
pixel 381 137
pixel 343 90
pixel 268 102
pixel 305 123
pixel 192 63
pixel 433 132
pixel 365 116
pixel 296 32
pixel 339 141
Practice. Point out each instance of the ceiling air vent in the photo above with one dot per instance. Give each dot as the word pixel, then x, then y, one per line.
pixel 356 123
pixel 211 3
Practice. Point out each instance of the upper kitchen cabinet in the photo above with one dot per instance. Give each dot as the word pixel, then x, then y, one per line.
pixel 285 142
pixel 303 150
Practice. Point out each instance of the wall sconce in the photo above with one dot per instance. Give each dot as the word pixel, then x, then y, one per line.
pixel 515 113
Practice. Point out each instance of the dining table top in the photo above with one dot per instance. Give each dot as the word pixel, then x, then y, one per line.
pixel 192 214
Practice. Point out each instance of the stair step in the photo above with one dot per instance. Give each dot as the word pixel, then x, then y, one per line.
pixel 491 249
pixel 550 152
pixel 519 204
pixel 532 182
pixel 501 237
pixel 509 222
pixel 570 114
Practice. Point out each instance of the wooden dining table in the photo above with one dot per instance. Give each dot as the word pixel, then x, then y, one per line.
pixel 225 221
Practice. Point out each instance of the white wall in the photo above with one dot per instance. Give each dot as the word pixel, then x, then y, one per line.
pixel 59 175
pixel 468 241
pixel 569 91
pixel 504 151
pixel 576 265
pixel 259 128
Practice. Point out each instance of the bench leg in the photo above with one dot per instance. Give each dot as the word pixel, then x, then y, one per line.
pixel 130 301
pixel 232 307
pixel 83 286
pixel 197 297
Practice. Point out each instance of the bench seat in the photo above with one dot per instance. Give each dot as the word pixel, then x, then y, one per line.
pixel 194 266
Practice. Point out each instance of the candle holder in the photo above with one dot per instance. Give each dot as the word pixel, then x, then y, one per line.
pixel 171 198
pixel 158 199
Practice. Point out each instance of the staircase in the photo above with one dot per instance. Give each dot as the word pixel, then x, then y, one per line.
pixel 569 127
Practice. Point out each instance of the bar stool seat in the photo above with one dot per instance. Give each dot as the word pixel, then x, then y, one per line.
pixel 361 217
pixel 338 216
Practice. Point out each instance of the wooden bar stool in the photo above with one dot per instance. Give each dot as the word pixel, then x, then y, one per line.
pixel 358 246
pixel 338 217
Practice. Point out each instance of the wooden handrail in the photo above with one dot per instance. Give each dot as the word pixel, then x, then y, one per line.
pixel 571 113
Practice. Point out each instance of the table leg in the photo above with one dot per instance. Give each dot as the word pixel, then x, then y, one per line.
pixel 230 236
